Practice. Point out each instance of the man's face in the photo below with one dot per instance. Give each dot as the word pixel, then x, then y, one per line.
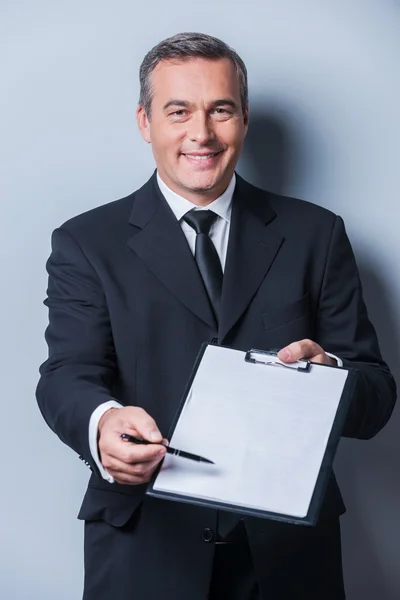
pixel 196 127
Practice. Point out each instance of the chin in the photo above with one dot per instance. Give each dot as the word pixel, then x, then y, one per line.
pixel 203 184
pixel 201 188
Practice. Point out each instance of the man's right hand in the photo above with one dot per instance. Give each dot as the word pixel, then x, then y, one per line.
pixel 129 463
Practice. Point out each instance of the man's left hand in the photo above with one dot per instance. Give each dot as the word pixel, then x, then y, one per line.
pixel 305 349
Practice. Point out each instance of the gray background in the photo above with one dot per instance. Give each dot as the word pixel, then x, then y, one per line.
pixel 325 126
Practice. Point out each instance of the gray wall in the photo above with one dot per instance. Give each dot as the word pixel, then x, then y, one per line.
pixel 325 126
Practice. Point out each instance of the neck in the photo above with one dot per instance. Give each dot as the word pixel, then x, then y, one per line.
pixel 197 197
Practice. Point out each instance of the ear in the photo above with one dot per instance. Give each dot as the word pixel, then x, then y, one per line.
pixel 143 123
pixel 246 119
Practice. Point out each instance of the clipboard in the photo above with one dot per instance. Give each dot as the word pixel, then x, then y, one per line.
pixel 290 478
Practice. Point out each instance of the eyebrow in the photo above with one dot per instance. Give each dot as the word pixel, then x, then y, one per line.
pixel 225 102
pixel 182 103
pixel 215 104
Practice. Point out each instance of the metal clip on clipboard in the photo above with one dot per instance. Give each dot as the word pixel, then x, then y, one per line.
pixel 270 359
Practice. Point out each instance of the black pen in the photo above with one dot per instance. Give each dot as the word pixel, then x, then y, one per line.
pixel 174 451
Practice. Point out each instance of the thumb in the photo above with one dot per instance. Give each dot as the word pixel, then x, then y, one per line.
pixel 145 425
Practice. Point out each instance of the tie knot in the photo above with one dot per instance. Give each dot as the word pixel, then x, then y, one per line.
pixel 200 220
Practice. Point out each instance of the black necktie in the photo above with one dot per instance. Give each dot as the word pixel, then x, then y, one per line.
pixel 206 255
pixel 211 271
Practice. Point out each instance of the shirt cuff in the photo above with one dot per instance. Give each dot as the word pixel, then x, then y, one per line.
pixel 338 360
pixel 93 430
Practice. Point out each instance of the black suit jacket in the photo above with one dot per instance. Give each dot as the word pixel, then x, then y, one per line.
pixel 127 315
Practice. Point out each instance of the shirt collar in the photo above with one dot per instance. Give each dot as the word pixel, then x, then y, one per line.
pixel 222 206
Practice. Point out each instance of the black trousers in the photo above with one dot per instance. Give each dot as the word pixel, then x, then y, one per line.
pixel 233 576
pixel 292 562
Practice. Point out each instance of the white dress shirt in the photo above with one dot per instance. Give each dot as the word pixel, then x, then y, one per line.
pixel 219 234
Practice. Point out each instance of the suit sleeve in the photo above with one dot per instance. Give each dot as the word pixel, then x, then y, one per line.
pixel 343 328
pixel 79 372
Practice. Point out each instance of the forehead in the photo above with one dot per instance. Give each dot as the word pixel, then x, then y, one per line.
pixel 194 79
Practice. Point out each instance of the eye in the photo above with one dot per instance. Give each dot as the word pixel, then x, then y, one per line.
pixel 178 114
pixel 221 114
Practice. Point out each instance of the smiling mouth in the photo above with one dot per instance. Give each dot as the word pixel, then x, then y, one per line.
pixel 202 156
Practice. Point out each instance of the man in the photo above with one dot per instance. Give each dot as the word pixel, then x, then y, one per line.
pixel 135 288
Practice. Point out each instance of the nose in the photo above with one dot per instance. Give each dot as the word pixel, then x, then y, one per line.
pixel 200 129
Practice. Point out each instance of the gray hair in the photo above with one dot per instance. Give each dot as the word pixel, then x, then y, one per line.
pixel 185 46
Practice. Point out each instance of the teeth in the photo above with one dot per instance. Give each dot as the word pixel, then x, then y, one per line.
pixel 201 157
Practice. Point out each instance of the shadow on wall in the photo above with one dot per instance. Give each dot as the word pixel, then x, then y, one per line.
pixel 368 471
pixel 267 159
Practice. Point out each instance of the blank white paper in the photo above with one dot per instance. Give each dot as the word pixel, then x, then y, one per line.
pixel 265 427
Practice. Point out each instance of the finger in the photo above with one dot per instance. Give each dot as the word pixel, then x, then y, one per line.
pixel 133 475
pixel 129 479
pixel 132 479
pixel 324 359
pixel 136 473
pixel 145 426
pixel 300 349
pixel 131 453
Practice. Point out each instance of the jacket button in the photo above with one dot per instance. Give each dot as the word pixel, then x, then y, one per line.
pixel 207 535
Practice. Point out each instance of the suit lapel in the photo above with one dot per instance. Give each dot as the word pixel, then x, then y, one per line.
pixel 252 249
pixel 162 246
